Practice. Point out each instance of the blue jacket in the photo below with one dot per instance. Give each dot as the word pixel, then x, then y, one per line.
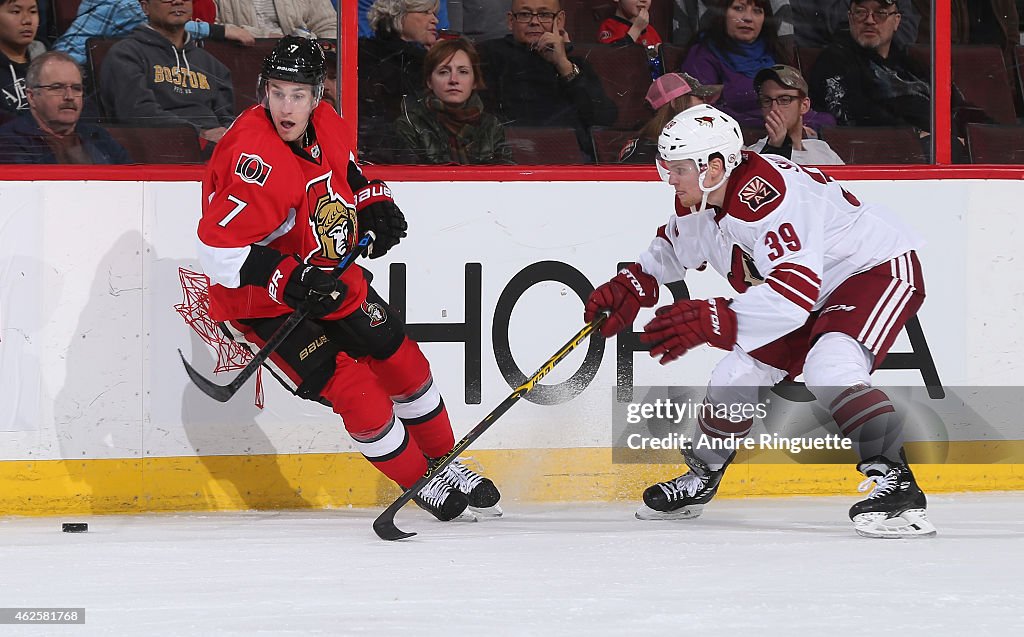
pixel 23 142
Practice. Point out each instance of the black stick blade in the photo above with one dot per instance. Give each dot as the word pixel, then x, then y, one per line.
pixel 384 527
pixel 214 391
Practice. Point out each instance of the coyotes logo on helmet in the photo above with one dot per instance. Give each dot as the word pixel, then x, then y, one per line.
pixel 375 312
pixel 757 193
pixel 705 121
pixel 333 221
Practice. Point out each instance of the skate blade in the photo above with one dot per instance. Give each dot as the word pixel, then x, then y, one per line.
pixel 465 516
pixel 912 523
pixel 487 512
pixel 685 513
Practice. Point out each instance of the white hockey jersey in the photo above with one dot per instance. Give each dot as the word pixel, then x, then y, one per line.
pixel 802 233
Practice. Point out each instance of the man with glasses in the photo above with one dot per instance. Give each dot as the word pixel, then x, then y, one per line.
pixel 50 132
pixel 782 93
pixel 532 80
pixel 864 79
pixel 818 23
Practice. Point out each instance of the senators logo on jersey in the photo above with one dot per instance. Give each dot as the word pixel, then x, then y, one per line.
pixel 252 169
pixel 375 311
pixel 333 221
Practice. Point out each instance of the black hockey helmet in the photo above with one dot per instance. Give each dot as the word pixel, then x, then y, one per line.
pixel 295 59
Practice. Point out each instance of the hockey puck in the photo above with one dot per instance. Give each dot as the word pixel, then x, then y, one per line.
pixel 74 527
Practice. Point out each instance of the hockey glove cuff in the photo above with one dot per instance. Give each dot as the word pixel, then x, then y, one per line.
pixel 680 327
pixel 376 212
pixel 302 286
pixel 623 296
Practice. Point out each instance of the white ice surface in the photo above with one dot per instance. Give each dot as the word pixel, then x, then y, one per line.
pixel 761 566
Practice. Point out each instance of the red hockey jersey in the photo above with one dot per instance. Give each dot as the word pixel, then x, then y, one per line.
pixel 257 190
pixel 614 30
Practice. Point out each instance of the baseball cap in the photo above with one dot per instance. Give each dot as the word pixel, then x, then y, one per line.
pixel 884 3
pixel 672 85
pixel 785 76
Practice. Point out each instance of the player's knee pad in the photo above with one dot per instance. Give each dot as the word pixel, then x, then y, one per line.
pixel 835 362
pixel 382 442
pixel 738 378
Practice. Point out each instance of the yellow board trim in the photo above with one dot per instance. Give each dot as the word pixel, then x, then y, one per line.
pixel 297 481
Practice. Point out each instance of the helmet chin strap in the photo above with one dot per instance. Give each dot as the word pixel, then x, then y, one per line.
pixel 706 191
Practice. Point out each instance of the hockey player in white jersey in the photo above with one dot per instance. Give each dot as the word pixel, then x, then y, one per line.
pixel 824 285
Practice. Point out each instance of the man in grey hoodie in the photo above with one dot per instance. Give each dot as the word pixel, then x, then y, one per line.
pixel 157 76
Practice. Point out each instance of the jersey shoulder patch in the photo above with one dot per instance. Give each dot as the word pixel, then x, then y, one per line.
pixel 756 189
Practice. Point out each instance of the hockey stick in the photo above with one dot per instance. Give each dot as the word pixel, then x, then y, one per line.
pixel 223 393
pixel 384 525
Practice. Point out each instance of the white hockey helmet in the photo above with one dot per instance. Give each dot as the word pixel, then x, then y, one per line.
pixel 698 133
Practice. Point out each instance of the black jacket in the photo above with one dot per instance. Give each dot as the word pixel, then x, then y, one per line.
pixel 389 69
pixel 23 142
pixel 12 85
pixel 861 88
pixel 523 89
pixel 147 80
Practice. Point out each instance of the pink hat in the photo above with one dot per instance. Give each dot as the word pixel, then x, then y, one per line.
pixel 672 85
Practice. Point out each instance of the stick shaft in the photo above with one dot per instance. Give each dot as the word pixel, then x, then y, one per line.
pixel 384 525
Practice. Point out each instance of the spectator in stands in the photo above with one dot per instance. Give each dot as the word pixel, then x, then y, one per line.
pixel 281 17
pixel 448 125
pixel 741 39
pixel 19 23
pixel 391 67
pixel 629 25
pixel 532 80
pixel 864 79
pixel 366 31
pixel 668 96
pixel 819 23
pixel 115 18
pixel 782 93
pixel 50 132
pixel 690 17
pixel 157 76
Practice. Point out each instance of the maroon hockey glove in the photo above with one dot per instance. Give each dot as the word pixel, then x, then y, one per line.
pixel 623 296
pixel 376 212
pixel 302 286
pixel 680 327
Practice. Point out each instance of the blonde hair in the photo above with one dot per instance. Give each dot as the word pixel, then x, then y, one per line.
pixel 386 16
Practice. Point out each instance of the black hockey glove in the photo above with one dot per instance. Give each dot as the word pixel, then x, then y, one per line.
pixel 376 212
pixel 302 286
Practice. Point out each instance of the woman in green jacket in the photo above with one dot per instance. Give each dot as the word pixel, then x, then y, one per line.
pixel 448 125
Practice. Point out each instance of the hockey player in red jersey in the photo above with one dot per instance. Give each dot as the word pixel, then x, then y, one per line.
pixel 283 200
pixel 824 284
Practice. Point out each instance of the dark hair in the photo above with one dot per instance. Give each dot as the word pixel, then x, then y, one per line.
pixel 443 51
pixel 715 33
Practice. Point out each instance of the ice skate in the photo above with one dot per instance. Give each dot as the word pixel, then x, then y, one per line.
pixel 483 496
pixel 682 498
pixel 896 507
pixel 441 500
